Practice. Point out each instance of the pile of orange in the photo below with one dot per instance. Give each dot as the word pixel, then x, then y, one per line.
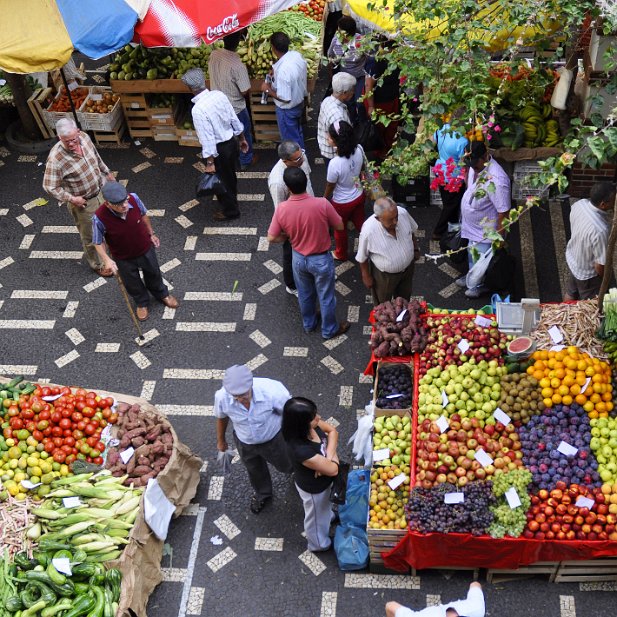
pixel 562 376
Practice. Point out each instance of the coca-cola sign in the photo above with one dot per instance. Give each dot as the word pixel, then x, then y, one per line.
pixel 229 24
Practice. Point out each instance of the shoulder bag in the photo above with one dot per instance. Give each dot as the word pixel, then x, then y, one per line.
pixel 338 490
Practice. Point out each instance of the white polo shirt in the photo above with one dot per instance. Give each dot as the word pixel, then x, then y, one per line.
pixel 290 80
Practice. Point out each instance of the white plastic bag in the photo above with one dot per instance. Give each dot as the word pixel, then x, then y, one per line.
pixel 224 459
pixel 362 442
pixel 475 276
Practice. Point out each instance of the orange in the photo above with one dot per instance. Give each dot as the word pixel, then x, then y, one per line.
pixel 545 382
pixel 531 371
pixel 556 398
pixel 560 373
pixel 568 380
pixel 581 379
pixel 566 400
pixel 590 371
pixel 575 389
pixel 595 398
pixel 555 383
pixel 607 396
pixel 570 363
pixel 548 402
pixel 551 362
pixel 600 407
pixel 547 392
pixel 581 399
pixel 609 406
pixel 593 414
pixel 563 390
pixel 588 406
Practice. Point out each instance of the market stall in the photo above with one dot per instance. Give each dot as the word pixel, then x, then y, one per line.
pixel 504 457
pixel 88 484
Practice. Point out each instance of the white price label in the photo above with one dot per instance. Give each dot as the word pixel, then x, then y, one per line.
pixel 394 395
pixel 557 348
pixel 395 482
pixel 401 316
pixel 565 448
pixel 502 416
pixel 2 82
pixel 381 454
pixel 483 322
pixel 96 97
pixel 73 85
pixel 62 564
pixel 71 502
pixel 444 399
pixel 135 106
pixel 27 484
pixel 127 455
pixel 555 334
pixel 584 502
pixel 454 498
pixel 442 423
pixel 514 501
pixel 463 345
pixel 587 382
pixel 483 458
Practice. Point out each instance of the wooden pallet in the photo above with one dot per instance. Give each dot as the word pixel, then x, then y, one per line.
pixel 603 569
pixel 495 575
pixel 382 540
pixel 263 117
pixel 135 111
pixel 114 136
pixel 36 103
pixel 475 571
pixel 164 133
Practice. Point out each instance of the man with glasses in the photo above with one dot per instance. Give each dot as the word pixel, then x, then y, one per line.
pixel 123 224
pixel 333 108
pixel 290 155
pixel 255 407
pixel 74 175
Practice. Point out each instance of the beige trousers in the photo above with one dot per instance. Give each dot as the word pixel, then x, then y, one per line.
pixel 83 222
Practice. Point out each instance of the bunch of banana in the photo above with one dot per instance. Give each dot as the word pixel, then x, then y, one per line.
pixel 553 138
pixel 540 129
pixel 257 56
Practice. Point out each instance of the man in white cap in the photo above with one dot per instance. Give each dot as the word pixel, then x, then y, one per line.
pixel 255 407
pixel 217 127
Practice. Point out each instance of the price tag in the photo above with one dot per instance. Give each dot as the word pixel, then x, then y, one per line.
pixel 463 345
pixel 62 564
pixel 395 482
pixel 584 502
pixel 444 399
pixel 2 82
pixel 483 458
pixel 27 484
pixel 555 334
pixel 502 416
pixel 557 347
pixel 51 397
pixel 136 142
pixel 514 500
pixel 71 502
pixel 402 315
pixel 483 322
pixel 454 498
pixel 442 423
pixel 127 455
pixel 587 382
pixel 73 85
pixel 381 455
pixel 394 395
pixel 135 106
pixel 96 97
pixel 565 448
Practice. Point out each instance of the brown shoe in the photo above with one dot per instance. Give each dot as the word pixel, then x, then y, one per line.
pixel 106 272
pixel 142 313
pixel 170 302
pixel 341 330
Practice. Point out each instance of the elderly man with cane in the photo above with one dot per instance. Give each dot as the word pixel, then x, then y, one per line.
pixel 123 224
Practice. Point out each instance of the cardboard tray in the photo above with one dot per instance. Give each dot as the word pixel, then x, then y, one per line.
pixel 99 122
pixel 385 412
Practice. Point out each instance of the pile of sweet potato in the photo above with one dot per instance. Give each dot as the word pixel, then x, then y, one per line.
pixel 151 440
pixel 396 335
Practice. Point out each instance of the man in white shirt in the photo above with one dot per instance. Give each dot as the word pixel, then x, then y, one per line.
pixel 229 75
pixel 387 251
pixel 290 155
pixel 472 606
pixel 590 224
pixel 288 88
pixel 333 108
pixel 217 127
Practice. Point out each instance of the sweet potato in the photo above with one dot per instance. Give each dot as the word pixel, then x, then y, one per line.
pixel 141 470
pixel 137 441
pixel 143 451
pixel 143 460
pixel 130 466
pixel 125 442
pixel 154 433
pixel 122 407
pixel 167 438
pixel 136 432
pixel 157 448
pixel 113 456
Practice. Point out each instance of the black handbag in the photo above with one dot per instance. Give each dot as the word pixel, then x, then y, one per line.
pixel 452 241
pixel 500 272
pixel 210 184
pixel 338 490
pixel 368 136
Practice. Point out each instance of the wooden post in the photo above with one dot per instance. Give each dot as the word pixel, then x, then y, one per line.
pixel 21 94
pixel 608 265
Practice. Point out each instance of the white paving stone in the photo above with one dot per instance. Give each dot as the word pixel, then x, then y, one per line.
pixel 328 604
pixel 139 168
pixel 256 362
pixel 433 599
pixel 107 348
pixel 38 294
pixel 335 342
pixel 353 314
pixel 273 266
pixel 362 378
pixel 343 267
pixel 223 256
pixel 345 396
pixel 195 601
pixel 95 284
pixel 222 559
pixel 27 324
pixel 227 527
pixel 158 213
pixel 169 313
pixel 19 369
pixel 67 358
pixel 312 562
pixel 150 335
pixel 190 373
pixel 75 336
pixel 140 360
pixel 263 244
pixel 269 286
pixel 230 231
pixel 381 581
pixel 367 330
pixel 295 352
pixel 7 261
pixel 342 288
pixel 567 606
pixel 215 490
pixel 170 265
pixel 27 241
pixel 147 389
pixel 190 243
pixel 250 310
pixel 183 221
pixel 187 410
pixel 213 296
pixel 185 207
pixel 71 309
pixel 260 338
pixel 24 220
pixel 55 254
pixel 205 326
pixel 334 367
pixel 173 575
pixel 269 544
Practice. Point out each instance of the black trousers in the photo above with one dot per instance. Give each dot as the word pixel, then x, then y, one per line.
pixel 451 210
pixel 153 279
pixel 225 165
pixel 288 274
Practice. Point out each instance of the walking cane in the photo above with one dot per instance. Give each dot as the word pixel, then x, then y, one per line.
pixel 128 303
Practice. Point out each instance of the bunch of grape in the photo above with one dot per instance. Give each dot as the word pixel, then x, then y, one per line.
pixel 394 387
pixel 508 521
pixel 427 511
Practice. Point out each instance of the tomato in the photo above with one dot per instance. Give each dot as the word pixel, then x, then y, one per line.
pixel 106 413
pixel 66 413
pixel 47 432
pixel 50 447
pixel 55 390
pixel 37 405
pixel 31 425
pixel 98 460
pixel 103 423
pixel 67 432
pixel 66 449
pixel 69 441
pixel 90 429
pixel 45 391
pixel 88 412
pixel 44 414
pixel 56 416
pixel 16 423
pixel 99 445
pixel 38 435
pixel 42 425
pixel 91 441
pixel 27 414
pixel 76 416
pixel 58 441
pixel 84 448
pixel 113 418
pixel 56 431
pixel 78 434
pixel 70 458
pixel 13 410
pixel 94 453
pixel 59 456
pixel 65 423
pixel 80 392
pixel 109 402
pixel 79 405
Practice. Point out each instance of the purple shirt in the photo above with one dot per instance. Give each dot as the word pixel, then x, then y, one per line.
pixel 475 209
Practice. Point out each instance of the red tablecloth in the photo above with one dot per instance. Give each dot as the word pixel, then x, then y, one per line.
pixel 436 550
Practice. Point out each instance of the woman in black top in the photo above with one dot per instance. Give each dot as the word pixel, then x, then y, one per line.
pixel 312 448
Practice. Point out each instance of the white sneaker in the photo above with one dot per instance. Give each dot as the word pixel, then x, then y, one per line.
pixel 462 281
pixel 293 292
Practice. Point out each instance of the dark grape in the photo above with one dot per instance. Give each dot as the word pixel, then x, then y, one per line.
pixel 394 379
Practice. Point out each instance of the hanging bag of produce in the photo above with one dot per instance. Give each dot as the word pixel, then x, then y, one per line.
pixel 210 184
pixel 353 512
pixel 452 241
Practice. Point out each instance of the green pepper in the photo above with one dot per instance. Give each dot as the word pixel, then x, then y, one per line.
pixel 13 604
pixel 34 609
pixel 54 575
pixel 99 606
pixel 81 606
pixel 67 589
pixel 24 562
pixel 63 605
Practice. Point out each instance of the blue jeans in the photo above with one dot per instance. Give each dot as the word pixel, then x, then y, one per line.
pixel 290 123
pixel 314 276
pixel 243 116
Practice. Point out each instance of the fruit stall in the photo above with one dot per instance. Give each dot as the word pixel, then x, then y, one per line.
pixel 494 450
pixel 88 484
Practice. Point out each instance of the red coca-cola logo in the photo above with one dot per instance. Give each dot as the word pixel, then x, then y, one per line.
pixel 228 24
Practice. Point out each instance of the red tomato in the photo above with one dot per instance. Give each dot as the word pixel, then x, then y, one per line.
pixel 67 432
pixel 81 425
pixel 31 425
pixel 91 441
pixel 106 413
pixel 99 445
pixel 66 413
pixel 113 418
pixel 56 431
pixel 47 432
pixel 90 429
pixel 103 423
pixel 7 432
pixel 44 414
pixel 49 446
pixel 45 391
pixel 80 392
pixel 16 423
pixel 70 458
pixel 65 423
pixel 66 449
pixel 42 425
pixel 37 405
pixel 13 411
pixel 38 435
pixel 109 401
pixel 56 416
pixel 55 390
pixel 98 460
pixel 27 414
pixel 69 441
pixel 88 412
pixel 80 404
pixel 59 456
pixel 78 434
pixel 58 441
pixel 76 416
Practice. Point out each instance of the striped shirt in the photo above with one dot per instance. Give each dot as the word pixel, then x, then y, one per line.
pixel 475 209
pixel 587 246
pixel 98 227
pixel 347 55
pixel 215 121
pixel 230 76
pixel 262 421
pixel 277 186
pixel 330 111
pixel 388 253
pixel 289 80
pixel 72 175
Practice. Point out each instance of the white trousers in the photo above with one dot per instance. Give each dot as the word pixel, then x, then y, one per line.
pixel 317 517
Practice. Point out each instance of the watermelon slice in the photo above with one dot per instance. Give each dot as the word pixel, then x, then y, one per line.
pixel 520 345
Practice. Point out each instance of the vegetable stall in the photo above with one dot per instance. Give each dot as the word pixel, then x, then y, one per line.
pixel 494 450
pixel 88 484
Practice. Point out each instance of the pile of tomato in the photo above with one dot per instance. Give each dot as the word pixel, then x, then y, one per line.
pixel 68 427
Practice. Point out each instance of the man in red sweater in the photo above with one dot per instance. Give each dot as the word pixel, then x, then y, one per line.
pixel 122 223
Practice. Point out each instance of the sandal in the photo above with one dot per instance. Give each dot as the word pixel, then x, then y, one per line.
pixel 257 504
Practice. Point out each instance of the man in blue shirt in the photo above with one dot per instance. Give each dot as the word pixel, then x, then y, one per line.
pixel 255 407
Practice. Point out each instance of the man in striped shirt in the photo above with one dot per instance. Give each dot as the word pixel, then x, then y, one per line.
pixel 387 251
pixel 586 251
pixel 334 108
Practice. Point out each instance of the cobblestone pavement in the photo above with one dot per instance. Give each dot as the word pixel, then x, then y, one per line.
pixel 60 322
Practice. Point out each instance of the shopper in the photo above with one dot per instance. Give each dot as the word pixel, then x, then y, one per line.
pixel 123 226
pixel 333 108
pixel 311 443
pixel 590 224
pixel 471 606
pixel 74 175
pixel 485 203
pixel 343 186
pixel 255 408
pixel 306 222
pixel 217 128
pixel 288 88
pixel 387 251
pixel 229 75
pixel 290 155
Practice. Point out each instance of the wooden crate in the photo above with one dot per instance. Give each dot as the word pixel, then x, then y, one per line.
pixel 99 122
pixel 51 117
pixel 263 118
pixel 115 135
pixel 386 412
pixel 135 111
pixel 164 133
pixel 495 575
pixel 149 86
pixel 37 102
pixel 382 540
pixel 602 569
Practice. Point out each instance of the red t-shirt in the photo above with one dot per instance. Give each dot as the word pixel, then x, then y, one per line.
pixel 306 221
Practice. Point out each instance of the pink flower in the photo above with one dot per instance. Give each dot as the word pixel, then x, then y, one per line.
pixel 376 175
pixel 497 128
pixel 489 137
pixel 490 125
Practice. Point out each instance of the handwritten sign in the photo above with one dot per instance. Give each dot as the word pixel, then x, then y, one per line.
pixel 502 416
pixel 483 322
pixel 454 498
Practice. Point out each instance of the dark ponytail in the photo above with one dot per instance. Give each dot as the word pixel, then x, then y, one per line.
pixel 342 134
